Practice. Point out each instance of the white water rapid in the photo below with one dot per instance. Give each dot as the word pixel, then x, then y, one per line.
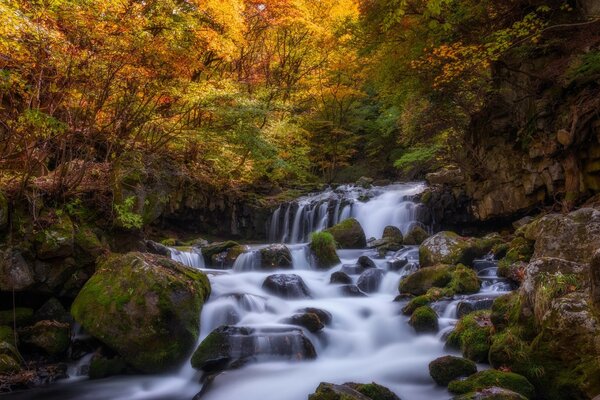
pixel 367 340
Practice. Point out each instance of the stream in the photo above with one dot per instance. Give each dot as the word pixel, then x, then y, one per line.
pixel 367 340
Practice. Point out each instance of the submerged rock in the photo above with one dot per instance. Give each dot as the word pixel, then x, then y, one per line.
pixel 231 347
pixel 445 369
pixel 370 280
pixel 324 316
pixel 145 307
pixel 352 291
pixel 349 234
pixel 288 286
pixel 276 256
pixel 308 320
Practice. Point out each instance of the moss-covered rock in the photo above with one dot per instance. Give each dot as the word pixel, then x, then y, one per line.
pixel 276 256
pixel 392 234
pixel 415 303
pixel 491 393
pixel 145 307
pixel 493 378
pixel 88 247
pixel 103 367
pixel 57 238
pixel 7 334
pixel 449 248
pixel 323 250
pixel 472 336
pixel 518 253
pixel 373 391
pixel 8 365
pixel 509 351
pixel 424 319
pixel 423 279
pixel 445 369
pixel 52 337
pixel 212 249
pixel 348 234
pixel 309 320
pixel 415 236
pixel 464 280
pixel 19 316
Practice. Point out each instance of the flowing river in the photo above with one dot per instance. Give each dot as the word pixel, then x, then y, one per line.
pixel 367 340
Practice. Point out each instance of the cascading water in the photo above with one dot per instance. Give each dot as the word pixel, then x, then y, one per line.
pixel 367 339
pixel 191 258
pixel 374 208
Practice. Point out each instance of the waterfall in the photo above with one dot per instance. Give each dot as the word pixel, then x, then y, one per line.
pixel 374 208
pixel 190 258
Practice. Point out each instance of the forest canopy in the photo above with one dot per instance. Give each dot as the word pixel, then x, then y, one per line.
pixel 239 91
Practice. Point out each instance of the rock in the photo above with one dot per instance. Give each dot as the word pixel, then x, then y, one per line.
pixel 7 335
pixel 52 337
pixel 370 280
pixel 508 351
pixel 88 247
pixel 415 303
pixel 423 279
pixel 15 272
pixel 448 368
pixel 323 250
pixel 392 234
pixel 364 182
pixel 468 306
pixel 493 378
pixel 351 291
pixel 348 234
pixel 352 269
pixel 216 248
pixel 310 321
pixel 518 253
pixel 445 176
pixel 415 236
pixel 464 280
pixel 103 367
pixel 340 277
pixel 20 316
pixel 329 391
pixel 449 248
pixel 491 393
pixel 57 239
pixel 231 347
pixel 287 286
pixel 472 336
pixel 276 256
pixel 145 307
pixel 424 319
pixel 157 248
pixel 373 390
pixel 52 310
pixel 324 316
pixel 396 264
pixel 365 262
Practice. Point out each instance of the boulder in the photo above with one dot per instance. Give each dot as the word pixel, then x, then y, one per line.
pixel 491 393
pixel 392 234
pixel 415 236
pixel 348 234
pixel 423 279
pixel 232 346
pixel 57 239
pixel 340 277
pixel 287 286
pixel 157 248
pixel 15 272
pixel 145 307
pixel 373 390
pixel 472 336
pixel 449 248
pixel 370 280
pixel 324 316
pixel 323 250
pixel 53 310
pixel 276 256
pixel 445 369
pixel 396 264
pixel 52 337
pixel 424 319
pixel 365 262
pixel 215 248
pixel 493 378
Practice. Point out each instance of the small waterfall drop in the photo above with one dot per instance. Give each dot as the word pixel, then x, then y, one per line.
pixel 374 208
pixel 191 258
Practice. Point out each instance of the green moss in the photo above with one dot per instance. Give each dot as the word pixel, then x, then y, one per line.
pixel 7 335
pixel 415 236
pixel 448 368
pixel 464 280
pixel 348 234
pixel 145 307
pixel 493 378
pixel 508 350
pixel 424 319
pixel 373 391
pixel 57 239
pixel 415 303
pixel 419 282
pixel 473 336
pixel 22 316
pixel 322 247
pixel 519 249
pixel 213 349
pixel 8 365
pixel 210 250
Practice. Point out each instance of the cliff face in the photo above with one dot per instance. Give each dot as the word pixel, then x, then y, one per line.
pixel 536 142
